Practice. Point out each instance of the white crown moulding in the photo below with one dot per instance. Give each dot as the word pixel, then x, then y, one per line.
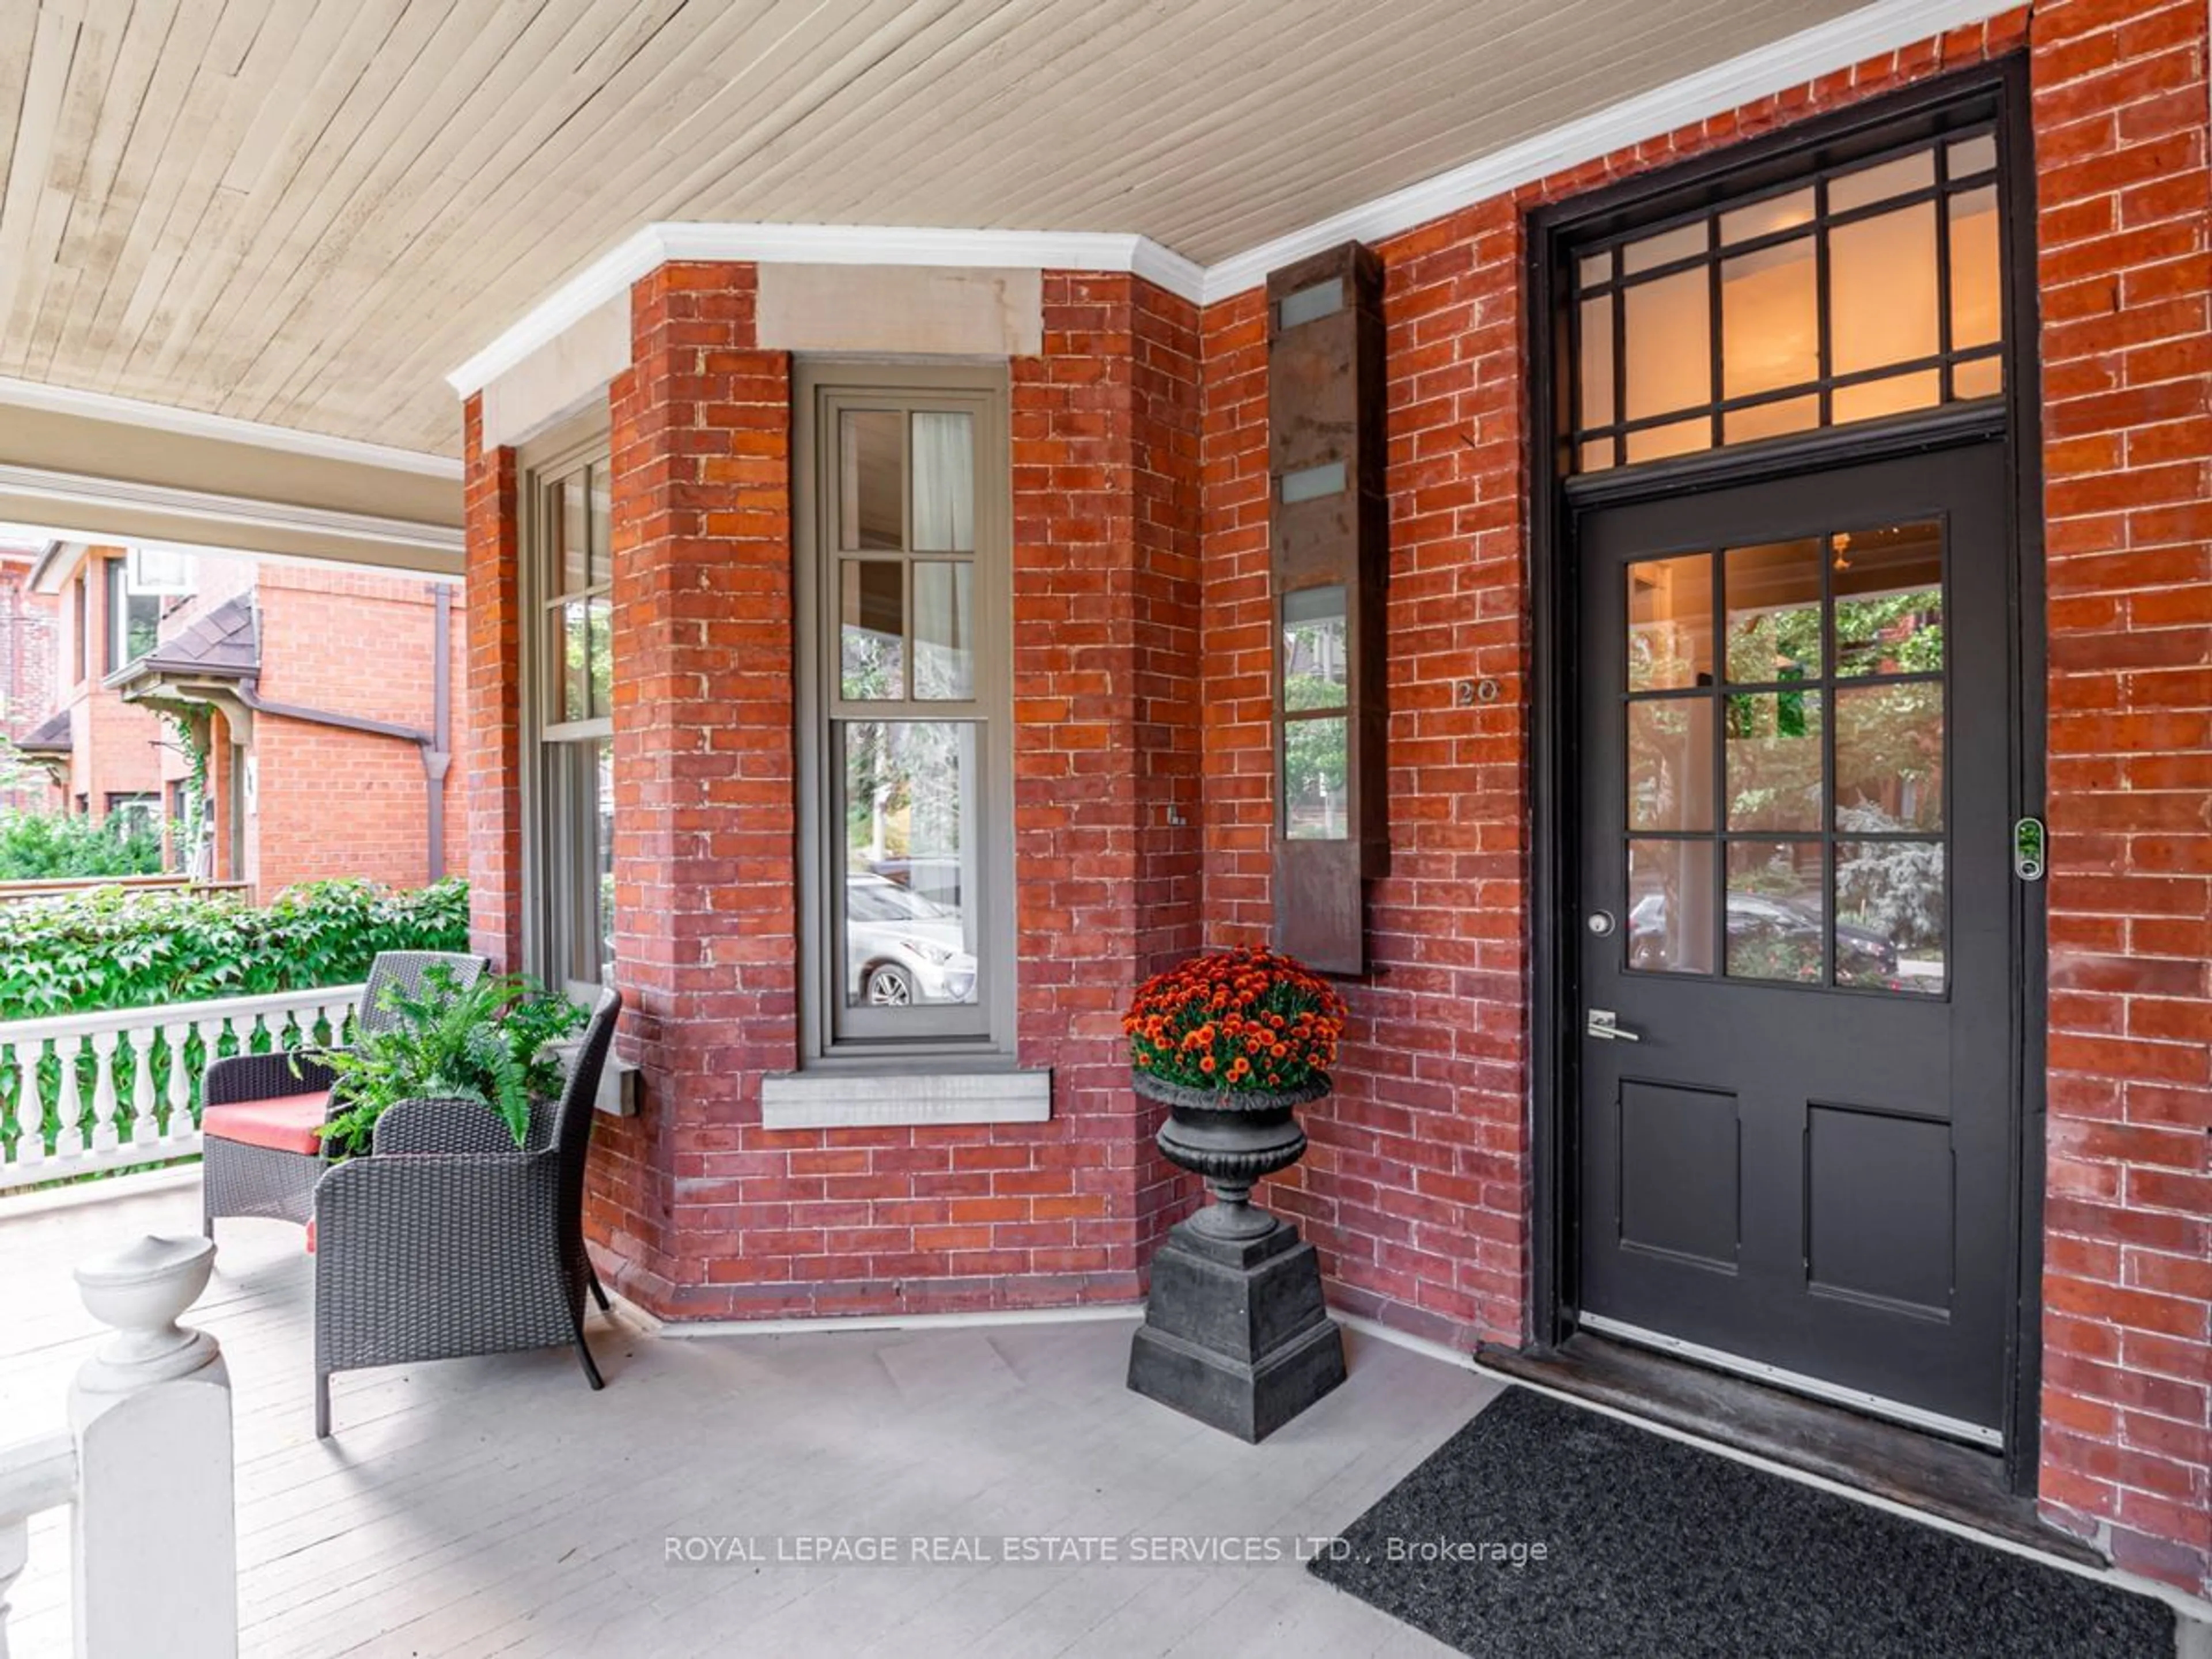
pixel 227 428
pixel 1867 32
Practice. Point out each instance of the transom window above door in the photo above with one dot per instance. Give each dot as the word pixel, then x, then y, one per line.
pixel 1866 290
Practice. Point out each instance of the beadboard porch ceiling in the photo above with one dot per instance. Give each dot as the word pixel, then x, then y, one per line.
pixel 303 212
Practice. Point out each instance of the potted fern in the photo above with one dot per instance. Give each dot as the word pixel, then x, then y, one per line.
pixel 490 1042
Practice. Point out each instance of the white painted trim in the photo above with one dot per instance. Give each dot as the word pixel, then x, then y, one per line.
pixel 84 490
pixel 1871 30
pixel 832 1324
pixel 847 1100
pixel 655 244
pixel 114 1190
pixel 193 423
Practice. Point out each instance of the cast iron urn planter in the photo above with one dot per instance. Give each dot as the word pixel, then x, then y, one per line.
pixel 1235 1333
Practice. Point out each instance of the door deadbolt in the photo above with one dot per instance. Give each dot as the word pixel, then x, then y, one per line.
pixel 1600 922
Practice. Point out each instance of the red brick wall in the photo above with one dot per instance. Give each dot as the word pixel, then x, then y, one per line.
pixel 30 676
pixel 1417 1190
pixel 114 743
pixel 2125 225
pixel 337 803
pixel 491 776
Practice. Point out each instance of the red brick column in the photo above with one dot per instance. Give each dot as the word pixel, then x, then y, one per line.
pixel 705 899
pixel 2125 225
pixel 489 715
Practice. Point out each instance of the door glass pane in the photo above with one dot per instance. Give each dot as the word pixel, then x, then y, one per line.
pixel 1770 319
pixel 1670 623
pixel 1774 611
pixel 1314 649
pixel 872 630
pixel 1981 378
pixel 1669 344
pixel 1670 906
pixel 1882 287
pixel 1668 246
pixel 1775 916
pixel 1891 915
pixel 1597 361
pixel 1892 394
pixel 1971 155
pixel 1879 182
pixel 1975 312
pixel 1656 443
pixel 1774 780
pixel 911 933
pixel 944 631
pixel 1889 756
pixel 944 482
pixel 1670 763
pixel 1315 766
pixel 1742 426
pixel 872 479
pixel 1889 599
pixel 1767 218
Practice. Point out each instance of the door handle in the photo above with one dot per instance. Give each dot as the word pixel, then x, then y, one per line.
pixel 1604 1023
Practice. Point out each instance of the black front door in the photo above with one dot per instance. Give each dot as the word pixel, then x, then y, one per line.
pixel 1794 959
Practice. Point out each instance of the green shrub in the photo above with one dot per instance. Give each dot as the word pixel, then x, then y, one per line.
pixel 108 949
pixel 35 845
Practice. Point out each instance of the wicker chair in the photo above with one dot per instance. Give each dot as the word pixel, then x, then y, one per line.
pixel 261 1118
pixel 450 1242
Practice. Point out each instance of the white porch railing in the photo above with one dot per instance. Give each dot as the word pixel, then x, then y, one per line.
pixel 102 1092
pixel 146 1465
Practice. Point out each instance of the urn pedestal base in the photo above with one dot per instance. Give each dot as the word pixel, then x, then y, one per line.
pixel 1235 1334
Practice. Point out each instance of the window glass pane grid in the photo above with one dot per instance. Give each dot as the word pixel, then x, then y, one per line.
pixel 1785 918
pixel 1605 282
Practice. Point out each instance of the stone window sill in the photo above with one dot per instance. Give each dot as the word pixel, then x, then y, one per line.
pixel 865 1100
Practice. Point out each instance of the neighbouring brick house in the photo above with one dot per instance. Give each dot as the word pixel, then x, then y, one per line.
pixel 1881 395
pixel 27 667
pixel 314 693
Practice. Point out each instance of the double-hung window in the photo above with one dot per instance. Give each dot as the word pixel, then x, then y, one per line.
pixel 134 618
pixel 568 689
pixel 906 820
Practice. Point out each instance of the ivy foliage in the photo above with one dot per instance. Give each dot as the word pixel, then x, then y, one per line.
pixel 111 949
pixel 44 846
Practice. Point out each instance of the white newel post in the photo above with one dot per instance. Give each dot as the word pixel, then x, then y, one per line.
pixel 156 1540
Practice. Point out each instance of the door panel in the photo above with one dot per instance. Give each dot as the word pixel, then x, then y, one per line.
pixel 1794 751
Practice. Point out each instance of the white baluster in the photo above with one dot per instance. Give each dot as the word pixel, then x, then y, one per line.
pixel 103 1090
pixel 69 1133
pixel 30 1106
pixel 180 1083
pixel 144 1132
pixel 156 1558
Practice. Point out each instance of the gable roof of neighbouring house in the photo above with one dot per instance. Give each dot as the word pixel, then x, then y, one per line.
pixel 50 736
pixel 225 644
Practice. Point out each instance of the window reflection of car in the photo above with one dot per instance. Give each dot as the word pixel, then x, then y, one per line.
pixel 1755 920
pixel 901 948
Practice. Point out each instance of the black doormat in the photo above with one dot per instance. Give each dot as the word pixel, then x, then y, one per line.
pixel 1541 1528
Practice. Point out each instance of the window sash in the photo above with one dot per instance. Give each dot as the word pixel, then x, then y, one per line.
pixel 836 1029
pixel 567 920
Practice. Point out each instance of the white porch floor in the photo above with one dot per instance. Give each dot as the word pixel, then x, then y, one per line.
pixel 497 1506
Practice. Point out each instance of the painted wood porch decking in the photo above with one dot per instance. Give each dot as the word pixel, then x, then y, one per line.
pixel 497 1506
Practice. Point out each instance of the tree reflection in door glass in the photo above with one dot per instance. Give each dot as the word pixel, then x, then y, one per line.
pixel 1888 587
pixel 1775 774
pixel 1891 922
pixel 1776 917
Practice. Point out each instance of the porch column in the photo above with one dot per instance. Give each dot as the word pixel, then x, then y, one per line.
pixel 492 709
pixel 706 876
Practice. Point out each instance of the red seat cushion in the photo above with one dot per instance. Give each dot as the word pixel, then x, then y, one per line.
pixel 282 1123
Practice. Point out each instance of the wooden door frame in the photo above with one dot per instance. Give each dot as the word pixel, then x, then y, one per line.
pixel 2000 88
